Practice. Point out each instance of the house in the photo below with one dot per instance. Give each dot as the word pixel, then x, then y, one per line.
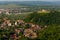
pixel 43 11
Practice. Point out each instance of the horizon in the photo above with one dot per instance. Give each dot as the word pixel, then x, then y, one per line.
pixel 33 0
pixel 30 1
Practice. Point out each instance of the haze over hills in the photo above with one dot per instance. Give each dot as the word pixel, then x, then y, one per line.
pixel 30 2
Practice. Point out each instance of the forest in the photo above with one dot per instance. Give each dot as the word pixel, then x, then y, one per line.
pixel 33 26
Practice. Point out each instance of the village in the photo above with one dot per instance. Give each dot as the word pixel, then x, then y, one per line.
pixel 18 27
pixel 13 10
pixel 20 11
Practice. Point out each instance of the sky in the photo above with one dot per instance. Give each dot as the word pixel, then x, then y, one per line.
pixel 29 0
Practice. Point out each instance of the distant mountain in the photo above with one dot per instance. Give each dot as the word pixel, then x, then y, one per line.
pixel 30 2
